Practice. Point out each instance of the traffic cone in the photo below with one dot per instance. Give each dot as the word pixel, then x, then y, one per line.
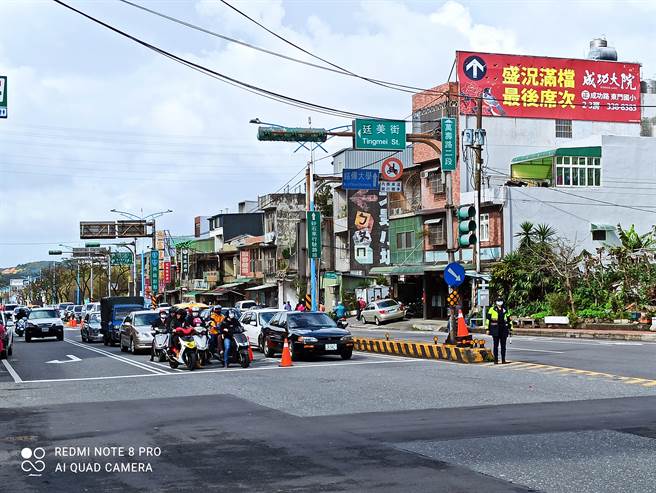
pixel 251 357
pixel 286 359
pixel 73 322
pixel 463 331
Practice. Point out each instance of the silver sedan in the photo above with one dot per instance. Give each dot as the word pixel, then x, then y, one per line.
pixel 382 311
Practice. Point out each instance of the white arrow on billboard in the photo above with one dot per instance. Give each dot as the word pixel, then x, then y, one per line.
pixel 454 274
pixel 71 359
pixel 474 66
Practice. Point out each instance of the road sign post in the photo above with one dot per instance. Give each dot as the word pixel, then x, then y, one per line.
pixel 314 234
pixel 379 135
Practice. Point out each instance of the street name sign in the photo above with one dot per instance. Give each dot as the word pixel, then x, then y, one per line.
pixel 454 274
pixel 121 258
pixel 379 135
pixel 314 234
pixel 360 179
pixel 448 144
pixel 3 96
pixel 288 134
pixel 154 270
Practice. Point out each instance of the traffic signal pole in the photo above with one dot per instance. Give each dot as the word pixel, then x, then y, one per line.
pixel 477 182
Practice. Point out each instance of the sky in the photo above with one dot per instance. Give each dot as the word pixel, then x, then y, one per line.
pixel 98 122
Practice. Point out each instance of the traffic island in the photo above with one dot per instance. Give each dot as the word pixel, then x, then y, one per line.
pixel 423 350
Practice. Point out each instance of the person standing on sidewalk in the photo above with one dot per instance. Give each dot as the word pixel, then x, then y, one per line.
pixel 361 305
pixel 498 326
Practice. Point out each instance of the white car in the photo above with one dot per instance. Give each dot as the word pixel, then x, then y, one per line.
pixel 245 305
pixel 253 321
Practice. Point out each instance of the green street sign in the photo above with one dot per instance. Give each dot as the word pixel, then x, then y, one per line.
pixel 448 144
pixel 154 271
pixel 288 134
pixel 3 96
pixel 380 135
pixel 122 258
pixel 314 234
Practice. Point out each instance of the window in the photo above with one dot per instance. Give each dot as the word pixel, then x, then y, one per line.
pixel 564 129
pixel 485 227
pixel 599 235
pixel 436 233
pixel 405 240
pixel 578 171
pixel 436 183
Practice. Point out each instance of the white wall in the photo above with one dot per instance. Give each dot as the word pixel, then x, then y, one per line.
pixel 508 138
pixel 627 196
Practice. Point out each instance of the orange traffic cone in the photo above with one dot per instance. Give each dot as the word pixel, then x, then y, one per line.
pixel 286 359
pixel 251 357
pixel 73 322
pixel 463 331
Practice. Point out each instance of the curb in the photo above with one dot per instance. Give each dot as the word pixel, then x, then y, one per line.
pixel 422 350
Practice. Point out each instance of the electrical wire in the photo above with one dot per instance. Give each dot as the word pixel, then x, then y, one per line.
pixel 220 76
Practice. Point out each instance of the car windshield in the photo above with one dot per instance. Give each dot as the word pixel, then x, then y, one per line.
pixel 37 314
pixel 121 313
pixel 145 318
pixel 95 318
pixel 309 321
pixel 387 303
pixel 77 309
pixel 266 317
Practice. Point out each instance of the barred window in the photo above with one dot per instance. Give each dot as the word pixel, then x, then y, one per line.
pixel 436 183
pixel 436 234
pixel 564 129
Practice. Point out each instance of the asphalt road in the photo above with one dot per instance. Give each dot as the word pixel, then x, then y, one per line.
pixel 625 358
pixel 375 423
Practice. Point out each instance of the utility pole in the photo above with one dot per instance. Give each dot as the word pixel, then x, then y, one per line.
pixel 477 181
pixel 109 271
pixel 313 261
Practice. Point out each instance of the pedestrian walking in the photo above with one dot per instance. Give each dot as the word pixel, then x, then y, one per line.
pixel 288 306
pixel 360 306
pixel 498 326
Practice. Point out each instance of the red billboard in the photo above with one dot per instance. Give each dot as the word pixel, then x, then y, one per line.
pixel 519 86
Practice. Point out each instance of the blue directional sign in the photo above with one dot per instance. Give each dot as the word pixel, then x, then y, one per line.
pixel 454 274
pixel 474 67
pixel 360 179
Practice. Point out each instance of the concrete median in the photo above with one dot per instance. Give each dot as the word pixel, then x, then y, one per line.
pixel 423 350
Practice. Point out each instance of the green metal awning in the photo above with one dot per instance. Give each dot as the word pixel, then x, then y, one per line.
pixel 539 165
pixel 395 270
pixel 602 227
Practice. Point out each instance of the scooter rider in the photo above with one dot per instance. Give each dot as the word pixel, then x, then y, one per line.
pixel 177 322
pixel 227 329
pixel 215 320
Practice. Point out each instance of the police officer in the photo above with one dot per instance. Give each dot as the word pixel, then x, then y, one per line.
pixel 498 326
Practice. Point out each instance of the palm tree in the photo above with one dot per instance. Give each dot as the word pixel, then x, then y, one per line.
pixel 543 234
pixel 525 235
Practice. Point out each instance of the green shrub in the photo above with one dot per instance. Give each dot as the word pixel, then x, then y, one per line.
pixel 557 303
pixel 595 312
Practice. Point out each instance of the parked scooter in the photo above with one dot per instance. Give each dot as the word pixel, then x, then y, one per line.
pixel 160 344
pixel 187 353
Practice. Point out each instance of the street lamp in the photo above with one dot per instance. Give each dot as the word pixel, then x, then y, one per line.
pixel 77 263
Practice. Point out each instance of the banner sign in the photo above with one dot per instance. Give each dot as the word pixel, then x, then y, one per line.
pixel 554 88
pixel 154 270
pixel 167 273
pixel 185 262
pixel 360 179
pixel 368 219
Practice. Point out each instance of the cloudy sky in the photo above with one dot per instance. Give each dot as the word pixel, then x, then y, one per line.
pixel 98 122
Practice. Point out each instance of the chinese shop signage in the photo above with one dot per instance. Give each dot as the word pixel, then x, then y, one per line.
pixel 553 88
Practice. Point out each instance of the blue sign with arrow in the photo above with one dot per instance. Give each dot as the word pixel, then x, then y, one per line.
pixel 454 274
pixel 474 67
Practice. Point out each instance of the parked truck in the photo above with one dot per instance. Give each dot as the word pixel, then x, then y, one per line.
pixel 113 311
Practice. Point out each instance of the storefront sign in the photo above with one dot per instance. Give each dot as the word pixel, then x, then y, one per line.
pixel 368 225
pixel 555 88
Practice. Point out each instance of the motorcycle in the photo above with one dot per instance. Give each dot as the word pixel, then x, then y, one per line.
pixel 187 354
pixel 20 327
pixel 160 345
pixel 239 349
pixel 202 345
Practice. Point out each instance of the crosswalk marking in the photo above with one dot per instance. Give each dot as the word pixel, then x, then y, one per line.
pixel 560 370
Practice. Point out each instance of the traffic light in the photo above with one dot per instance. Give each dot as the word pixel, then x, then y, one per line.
pixel 466 226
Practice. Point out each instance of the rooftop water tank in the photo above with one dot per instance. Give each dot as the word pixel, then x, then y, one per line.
pixel 599 50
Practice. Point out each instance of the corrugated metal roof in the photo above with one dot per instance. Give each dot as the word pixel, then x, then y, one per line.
pixel 369 159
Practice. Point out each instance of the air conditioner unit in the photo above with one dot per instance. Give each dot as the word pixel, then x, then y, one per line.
pixel 424 174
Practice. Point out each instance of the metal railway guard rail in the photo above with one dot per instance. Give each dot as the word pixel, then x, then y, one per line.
pixel 423 350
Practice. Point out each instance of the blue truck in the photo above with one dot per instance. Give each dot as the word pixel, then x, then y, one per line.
pixel 113 311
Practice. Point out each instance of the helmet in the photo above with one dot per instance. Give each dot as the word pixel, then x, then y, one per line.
pixel 217 309
pixel 181 311
pixel 231 314
pixel 197 322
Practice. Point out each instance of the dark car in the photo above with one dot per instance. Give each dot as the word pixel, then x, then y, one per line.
pixel 44 322
pixel 90 330
pixel 308 333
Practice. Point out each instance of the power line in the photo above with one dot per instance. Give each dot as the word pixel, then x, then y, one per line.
pixel 220 76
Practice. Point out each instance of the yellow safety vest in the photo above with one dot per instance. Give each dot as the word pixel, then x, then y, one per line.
pixel 494 315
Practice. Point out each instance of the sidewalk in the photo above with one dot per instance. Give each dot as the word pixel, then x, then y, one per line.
pixel 421 325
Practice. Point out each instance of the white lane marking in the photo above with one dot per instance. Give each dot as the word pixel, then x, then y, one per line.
pixel 117 358
pixel 225 370
pixel 12 372
pixel 583 342
pixel 71 358
pixel 534 350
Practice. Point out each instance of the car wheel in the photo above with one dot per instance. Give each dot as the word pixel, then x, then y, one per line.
pixel 3 354
pixel 84 338
pixel 260 344
pixel 377 321
pixel 133 348
pixel 346 354
pixel 124 349
pixel 268 352
pixel 28 338
pixel 363 320
pixel 10 351
pixel 60 337
pixel 294 353
pixel 105 341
